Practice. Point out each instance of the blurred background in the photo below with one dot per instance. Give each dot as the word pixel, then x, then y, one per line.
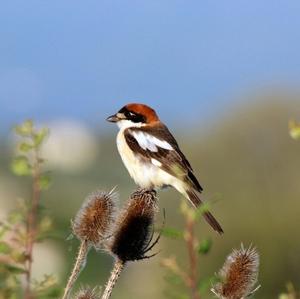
pixel 224 76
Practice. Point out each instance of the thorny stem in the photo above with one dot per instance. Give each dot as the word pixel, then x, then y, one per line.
pixel 115 274
pixel 31 222
pixel 193 258
pixel 79 264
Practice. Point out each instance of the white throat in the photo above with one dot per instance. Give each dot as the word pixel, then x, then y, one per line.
pixel 125 124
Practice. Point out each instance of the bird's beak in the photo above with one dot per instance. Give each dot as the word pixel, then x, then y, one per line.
pixel 113 118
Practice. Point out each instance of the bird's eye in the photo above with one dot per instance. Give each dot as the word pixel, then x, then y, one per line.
pixel 129 114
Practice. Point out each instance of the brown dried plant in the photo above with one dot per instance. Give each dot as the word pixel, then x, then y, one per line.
pixel 91 226
pixel 133 234
pixel 238 275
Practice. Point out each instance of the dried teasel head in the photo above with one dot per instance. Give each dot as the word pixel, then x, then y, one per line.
pixel 133 232
pixel 87 293
pixel 238 275
pixel 94 219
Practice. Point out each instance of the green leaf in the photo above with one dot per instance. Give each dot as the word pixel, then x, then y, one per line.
pixel 295 133
pixel 20 166
pixel 45 181
pixel 203 208
pixel 172 233
pixel 14 269
pixel 45 224
pixel 15 217
pixel 206 283
pixel 4 247
pixel 19 257
pixel 3 229
pixel 40 136
pixel 25 129
pixel 47 288
pixel 294 128
pixel 174 279
pixel 25 147
pixel 205 246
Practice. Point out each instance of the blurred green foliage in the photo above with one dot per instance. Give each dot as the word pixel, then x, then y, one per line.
pixel 27 224
pixel 245 158
pixel 290 292
pixel 294 129
pixel 183 276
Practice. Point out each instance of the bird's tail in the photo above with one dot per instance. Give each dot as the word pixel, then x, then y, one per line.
pixel 196 201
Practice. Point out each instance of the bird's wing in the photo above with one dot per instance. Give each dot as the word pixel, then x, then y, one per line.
pixel 161 149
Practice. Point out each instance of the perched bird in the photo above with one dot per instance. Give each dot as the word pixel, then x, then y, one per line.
pixel 152 155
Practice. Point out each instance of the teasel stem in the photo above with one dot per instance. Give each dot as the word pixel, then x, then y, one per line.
pixel 114 276
pixel 91 226
pixel 79 265
pixel 193 258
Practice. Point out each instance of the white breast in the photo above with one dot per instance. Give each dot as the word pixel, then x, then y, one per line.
pixel 146 175
pixel 132 163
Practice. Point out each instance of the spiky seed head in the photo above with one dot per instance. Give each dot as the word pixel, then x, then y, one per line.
pixel 133 230
pixel 95 217
pixel 87 293
pixel 238 275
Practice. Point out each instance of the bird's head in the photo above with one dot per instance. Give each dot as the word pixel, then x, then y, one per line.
pixel 134 115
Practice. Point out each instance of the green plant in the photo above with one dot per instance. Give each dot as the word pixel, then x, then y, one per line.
pixel 184 280
pixel 235 280
pixel 290 293
pixel 27 224
pixel 294 129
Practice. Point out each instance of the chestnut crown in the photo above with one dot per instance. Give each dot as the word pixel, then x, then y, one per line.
pixel 137 113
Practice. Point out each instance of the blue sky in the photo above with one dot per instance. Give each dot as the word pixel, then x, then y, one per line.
pixel 85 59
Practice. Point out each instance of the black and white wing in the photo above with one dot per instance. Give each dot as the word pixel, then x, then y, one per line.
pixel 160 148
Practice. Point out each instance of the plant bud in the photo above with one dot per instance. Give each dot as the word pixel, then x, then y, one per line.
pixel 238 275
pixel 94 220
pixel 134 227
